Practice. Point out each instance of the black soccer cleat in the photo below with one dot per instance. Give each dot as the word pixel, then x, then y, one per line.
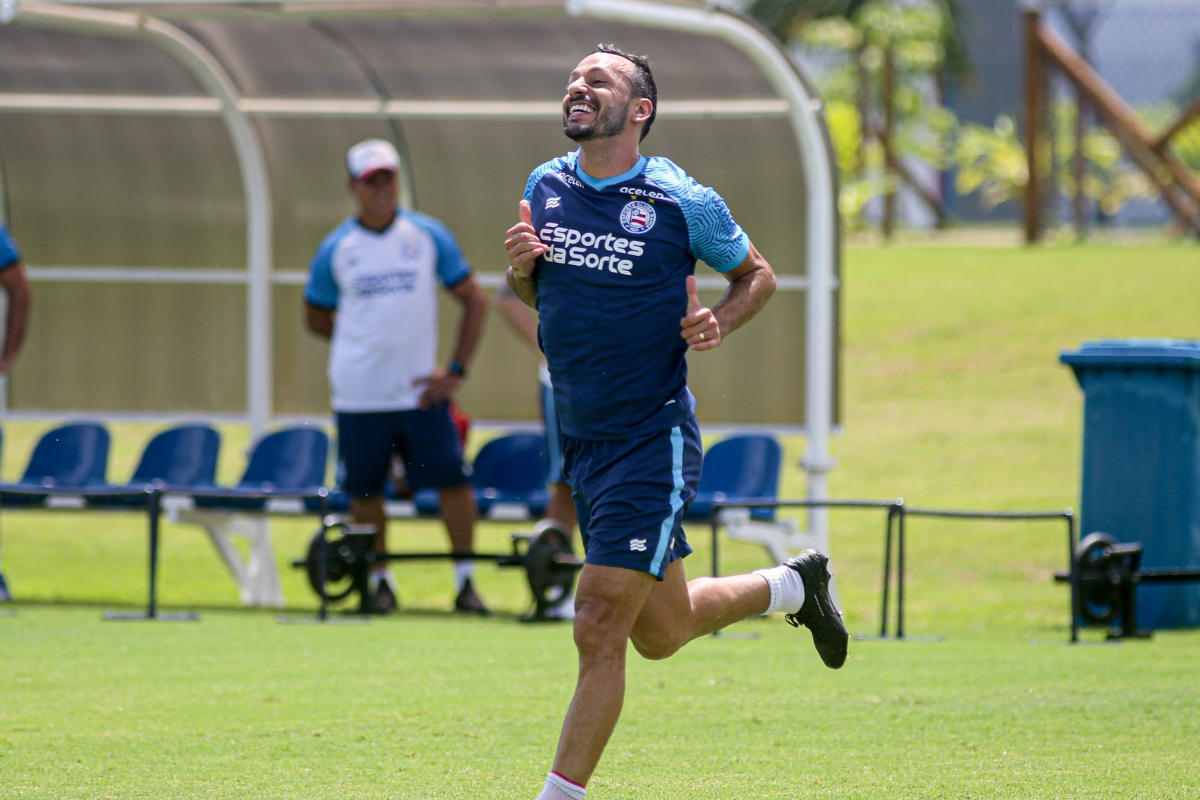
pixel 818 613
pixel 468 601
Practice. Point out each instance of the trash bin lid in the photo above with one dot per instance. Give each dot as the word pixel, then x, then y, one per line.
pixel 1178 353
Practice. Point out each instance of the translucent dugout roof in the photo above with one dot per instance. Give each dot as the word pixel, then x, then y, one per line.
pixel 197 148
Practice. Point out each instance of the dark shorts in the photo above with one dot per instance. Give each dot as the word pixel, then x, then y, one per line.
pixel 632 495
pixel 425 439
pixel 553 437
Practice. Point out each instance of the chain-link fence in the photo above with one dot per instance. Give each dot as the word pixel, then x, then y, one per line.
pixel 960 135
pixel 1148 52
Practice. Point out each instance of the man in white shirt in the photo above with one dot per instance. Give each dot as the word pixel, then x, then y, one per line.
pixel 372 290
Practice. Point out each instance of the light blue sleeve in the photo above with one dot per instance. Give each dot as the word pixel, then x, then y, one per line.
pixel 550 166
pixel 322 289
pixel 452 266
pixel 715 236
pixel 9 254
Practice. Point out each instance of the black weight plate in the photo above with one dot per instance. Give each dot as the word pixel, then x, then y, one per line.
pixel 1099 596
pixel 549 581
pixel 339 574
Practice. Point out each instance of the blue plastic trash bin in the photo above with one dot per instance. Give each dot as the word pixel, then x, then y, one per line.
pixel 1141 461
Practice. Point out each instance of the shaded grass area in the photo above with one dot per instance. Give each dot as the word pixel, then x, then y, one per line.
pixel 953 397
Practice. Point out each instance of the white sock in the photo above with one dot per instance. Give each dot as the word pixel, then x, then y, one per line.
pixel 559 788
pixel 787 588
pixel 381 574
pixel 463 572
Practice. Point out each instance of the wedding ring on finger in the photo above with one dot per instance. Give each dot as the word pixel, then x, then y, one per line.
pixel 702 337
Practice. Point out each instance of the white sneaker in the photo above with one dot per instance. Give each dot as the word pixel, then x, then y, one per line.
pixel 563 609
pixel 382 591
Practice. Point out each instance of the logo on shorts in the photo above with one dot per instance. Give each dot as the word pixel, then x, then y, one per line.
pixel 637 545
pixel 638 216
pixel 553 202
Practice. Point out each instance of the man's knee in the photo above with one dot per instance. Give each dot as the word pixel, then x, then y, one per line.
pixel 655 645
pixel 600 628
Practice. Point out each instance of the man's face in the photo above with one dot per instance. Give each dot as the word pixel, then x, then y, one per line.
pixel 599 95
pixel 376 193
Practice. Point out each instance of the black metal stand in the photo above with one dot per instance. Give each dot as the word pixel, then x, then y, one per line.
pixel 1104 575
pixel 715 524
pixel 154 512
pixel 896 528
pixel 329 522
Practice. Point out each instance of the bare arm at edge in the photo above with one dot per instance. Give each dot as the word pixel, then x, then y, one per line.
pixel 16 283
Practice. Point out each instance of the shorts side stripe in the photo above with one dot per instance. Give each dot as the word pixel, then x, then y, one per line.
pixel 668 525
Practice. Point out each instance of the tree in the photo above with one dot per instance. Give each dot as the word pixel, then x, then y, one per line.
pixel 787 18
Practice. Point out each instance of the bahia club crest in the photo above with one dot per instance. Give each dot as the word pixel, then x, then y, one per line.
pixel 638 216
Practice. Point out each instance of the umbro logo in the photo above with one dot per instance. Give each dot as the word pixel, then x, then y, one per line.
pixel 553 202
pixel 637 545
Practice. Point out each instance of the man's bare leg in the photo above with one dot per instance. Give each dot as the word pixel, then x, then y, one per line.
pixel 614 605
pixel 459 513
pixel 607 603
pixel 561 507
pixel 370 511
pixel 679 610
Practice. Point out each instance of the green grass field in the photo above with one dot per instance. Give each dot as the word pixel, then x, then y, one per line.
pixel 953 397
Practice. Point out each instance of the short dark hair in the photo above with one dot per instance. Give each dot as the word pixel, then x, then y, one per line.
pixel 643 79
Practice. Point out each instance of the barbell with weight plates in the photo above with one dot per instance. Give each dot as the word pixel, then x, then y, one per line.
pixel 550 564
pixel 1107 574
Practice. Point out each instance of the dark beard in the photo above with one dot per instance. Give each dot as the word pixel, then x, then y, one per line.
pixel 607 125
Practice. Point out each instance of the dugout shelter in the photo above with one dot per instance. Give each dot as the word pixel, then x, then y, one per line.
pixel 169 168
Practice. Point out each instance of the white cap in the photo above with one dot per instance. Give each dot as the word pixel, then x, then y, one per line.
pixel 370 156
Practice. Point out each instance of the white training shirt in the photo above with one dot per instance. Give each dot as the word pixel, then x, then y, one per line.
pixel 384 289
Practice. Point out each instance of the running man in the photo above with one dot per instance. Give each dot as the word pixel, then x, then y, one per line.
pixel 605 250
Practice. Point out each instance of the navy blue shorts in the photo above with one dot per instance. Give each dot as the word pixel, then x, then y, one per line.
pixel 553 438
pixel 426 439
pixel 632 495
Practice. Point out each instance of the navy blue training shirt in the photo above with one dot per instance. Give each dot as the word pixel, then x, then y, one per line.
pixel 612 289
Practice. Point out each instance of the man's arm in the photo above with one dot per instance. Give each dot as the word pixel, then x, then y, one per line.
pixel 523 286
pixel 524 247
pixel 15 283
pixel 443 383
pixel 475 304
pixel 751 285
pixel 515 313
pixel 319 320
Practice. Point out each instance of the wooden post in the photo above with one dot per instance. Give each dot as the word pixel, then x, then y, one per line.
pixel 932 198
pixel 1184 120
pixel 1035 89
pixel 1079 166
pixel 1167 172
pixel 889 130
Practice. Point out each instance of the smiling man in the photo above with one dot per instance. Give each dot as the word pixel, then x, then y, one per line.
pixel 605 249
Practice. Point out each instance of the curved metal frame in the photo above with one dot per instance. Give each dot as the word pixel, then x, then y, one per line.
pixel 205 67
pixel 800 105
